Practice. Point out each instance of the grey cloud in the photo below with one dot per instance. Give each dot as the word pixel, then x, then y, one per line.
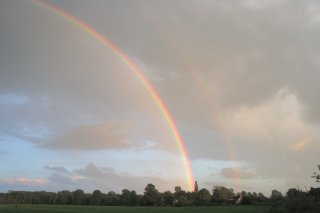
pixel 108 179
pixel 60 169
pixel 237 173
pixel 244 55
pixel 92 137
pixel 232 185
pixel 61 66
pixel 92 171
pixel 60 179
pixel 247 53
pixel 68 80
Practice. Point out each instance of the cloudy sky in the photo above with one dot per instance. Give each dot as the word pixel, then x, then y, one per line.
pixel 241 80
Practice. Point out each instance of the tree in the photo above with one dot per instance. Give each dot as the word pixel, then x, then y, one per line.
pixel 78 197
pixel 64 197
pixel 254 197
pixel 168 198
pixel 249 198
pixel 177 189
pixel 276 196
pixel 315 192
pixel 96 197
pixel 245 198
pixel 299 201
pixel 196 188
pixel 316 175
pixel 180 197
pixel 221 194
pixel 262 198
pixel 133 198
pixel 125 197
pixel 151 195
pixel 203 197
pixel 110 199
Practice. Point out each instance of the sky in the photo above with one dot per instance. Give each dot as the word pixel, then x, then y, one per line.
pixel 239 78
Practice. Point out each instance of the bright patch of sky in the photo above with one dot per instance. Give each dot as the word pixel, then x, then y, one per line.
pixel 12 100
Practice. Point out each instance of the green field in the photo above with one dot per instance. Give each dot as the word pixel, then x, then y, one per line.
pixel 103 209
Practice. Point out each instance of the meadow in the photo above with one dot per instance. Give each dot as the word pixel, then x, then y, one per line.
pixel 118 209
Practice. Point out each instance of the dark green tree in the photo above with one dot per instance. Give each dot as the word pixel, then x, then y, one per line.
pixel 167 198
pixel 299 201
pixel 151 195
pixel 203 197
pixel 221 194
pixel 78 197
pixel 276 196
pixel 64 197
pixel 196 188
pixel 180 197
pixel 96 197
pixel 133 198
pixel 111 199
pixel 125 198
pixel 262 198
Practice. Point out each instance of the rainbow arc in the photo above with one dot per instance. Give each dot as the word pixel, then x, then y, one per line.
pixel 131 65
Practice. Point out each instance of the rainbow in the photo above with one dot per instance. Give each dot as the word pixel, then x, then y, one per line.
pixel 130 64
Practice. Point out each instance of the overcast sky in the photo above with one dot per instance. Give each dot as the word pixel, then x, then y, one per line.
pixel 241 80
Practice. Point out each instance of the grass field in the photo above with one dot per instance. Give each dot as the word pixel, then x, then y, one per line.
pixel 103 209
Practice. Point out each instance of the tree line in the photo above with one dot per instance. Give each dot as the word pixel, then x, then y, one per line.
pixel 150 197
pixel 219 195
pixel 294 201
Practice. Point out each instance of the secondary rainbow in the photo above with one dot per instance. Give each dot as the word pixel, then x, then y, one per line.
pixel 126 60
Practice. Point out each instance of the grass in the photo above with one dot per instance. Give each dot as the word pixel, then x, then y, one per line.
pixel 118 209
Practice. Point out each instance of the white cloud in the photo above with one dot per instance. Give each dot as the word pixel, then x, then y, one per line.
pixel 277 121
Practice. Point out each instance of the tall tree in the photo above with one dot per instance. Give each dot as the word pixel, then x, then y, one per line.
pixel 151 195
pixel 196 188
pixel 203 197
pixel 168 198
pixel 125 197
pixel 78 197
pixel 64 197
pixel 133 198
pixel 262 198
pixel 111 199
pixel 180 196
pixel 276 196
pixel 221 194
pixel 96 197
